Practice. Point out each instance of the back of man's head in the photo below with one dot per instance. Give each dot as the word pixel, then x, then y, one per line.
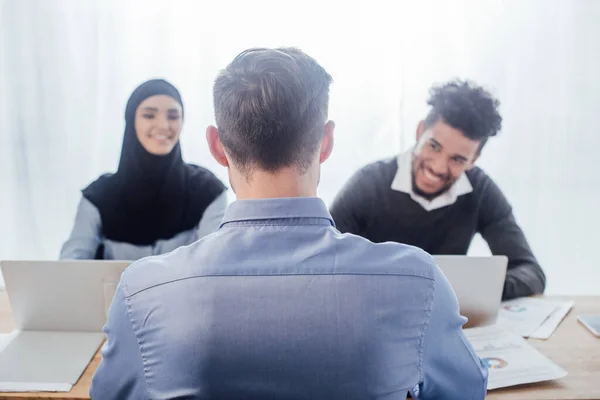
pixel 271 108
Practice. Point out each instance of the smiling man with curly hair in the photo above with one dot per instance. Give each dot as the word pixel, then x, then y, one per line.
pixel 435 198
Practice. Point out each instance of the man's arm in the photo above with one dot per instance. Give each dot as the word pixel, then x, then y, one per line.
pixel 451 369
pixel 352 204
pixel 498 227
pixel 120 374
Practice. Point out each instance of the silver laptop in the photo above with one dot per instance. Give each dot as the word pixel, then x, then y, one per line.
pixel 68 295
pixel 60 308
pixel 478 283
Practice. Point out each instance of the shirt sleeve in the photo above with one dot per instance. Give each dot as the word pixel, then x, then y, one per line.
pixel 213 215
pixel 503 235
pixel 351 205
pixel 450 368
pixel 85 236
pixel 120 374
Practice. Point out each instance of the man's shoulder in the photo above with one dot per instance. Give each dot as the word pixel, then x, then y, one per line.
pixel 146 273
pixel 478 178
pixel 380 168
pixel 152 271
pixel 373 176
pixel 356 254
pixel 483 185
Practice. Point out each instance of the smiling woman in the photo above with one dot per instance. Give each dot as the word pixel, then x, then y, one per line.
pixel 155 202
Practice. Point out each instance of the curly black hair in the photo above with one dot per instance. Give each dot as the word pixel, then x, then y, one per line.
pixel 466 107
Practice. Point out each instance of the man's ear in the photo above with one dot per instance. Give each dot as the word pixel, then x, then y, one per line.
pixel 215 146
pixel 327 143
pixel 420 130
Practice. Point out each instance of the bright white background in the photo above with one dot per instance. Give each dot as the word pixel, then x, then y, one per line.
pixel 68 66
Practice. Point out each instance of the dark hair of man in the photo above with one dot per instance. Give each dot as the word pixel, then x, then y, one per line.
pixel 271 108
pixel 466 107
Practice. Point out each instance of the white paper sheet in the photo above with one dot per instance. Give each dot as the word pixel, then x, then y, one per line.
pixel 549 326
pixel 525 315
pixel 510 359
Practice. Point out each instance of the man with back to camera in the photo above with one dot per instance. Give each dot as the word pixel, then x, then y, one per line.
pixel 278 304
pixel 433 196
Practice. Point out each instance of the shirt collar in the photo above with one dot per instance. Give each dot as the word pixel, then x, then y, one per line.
pixel 403 183
pixel 277 208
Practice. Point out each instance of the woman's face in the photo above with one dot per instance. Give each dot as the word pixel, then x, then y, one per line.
pixel 158 122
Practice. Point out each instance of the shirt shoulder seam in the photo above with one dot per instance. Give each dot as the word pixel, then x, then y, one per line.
pixel 424 326
pixel 139 342
pixel 250 273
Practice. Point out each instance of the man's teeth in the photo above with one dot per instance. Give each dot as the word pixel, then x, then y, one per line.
pixel 432 177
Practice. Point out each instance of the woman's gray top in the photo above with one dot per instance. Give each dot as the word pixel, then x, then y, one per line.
pixel 86 235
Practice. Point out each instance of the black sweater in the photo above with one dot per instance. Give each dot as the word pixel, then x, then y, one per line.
pixel 369 207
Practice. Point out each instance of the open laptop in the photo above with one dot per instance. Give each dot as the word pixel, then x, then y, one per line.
pixel 59 308
pixel 478 283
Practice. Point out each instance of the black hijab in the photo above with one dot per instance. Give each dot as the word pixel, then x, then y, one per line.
pixel 151 197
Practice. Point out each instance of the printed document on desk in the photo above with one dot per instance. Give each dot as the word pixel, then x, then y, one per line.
pixel 510 359
pixel 549 326
pixel 525 315
pixel 48 361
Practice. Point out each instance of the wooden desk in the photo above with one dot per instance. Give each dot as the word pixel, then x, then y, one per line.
pixel 571 346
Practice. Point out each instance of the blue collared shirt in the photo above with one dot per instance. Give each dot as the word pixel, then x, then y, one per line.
pixel 278 304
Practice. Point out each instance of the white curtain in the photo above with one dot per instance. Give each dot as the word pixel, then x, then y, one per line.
pixel 68 66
